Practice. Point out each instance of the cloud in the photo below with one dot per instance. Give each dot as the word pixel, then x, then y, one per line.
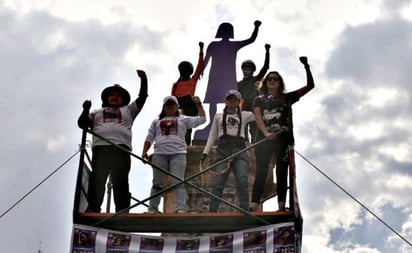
pixel 369 54
pixel 357 133
pixel 49 67
pixel 355 125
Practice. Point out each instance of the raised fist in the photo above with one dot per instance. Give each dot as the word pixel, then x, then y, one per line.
pixel 87 104
pixel 257 23
pixel 304 60
pixel 141 73
pixel 201 44
pixel 267 47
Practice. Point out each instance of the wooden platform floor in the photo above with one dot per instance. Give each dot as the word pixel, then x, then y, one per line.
pixel 182 222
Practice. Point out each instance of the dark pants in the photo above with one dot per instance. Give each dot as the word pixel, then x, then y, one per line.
pixel 109 160
pixel 264 153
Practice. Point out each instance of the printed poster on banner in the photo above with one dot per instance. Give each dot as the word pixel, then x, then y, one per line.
pixel 84 241
pixel 118 243
pixel 275 238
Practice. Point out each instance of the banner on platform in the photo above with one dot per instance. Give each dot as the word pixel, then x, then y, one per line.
pixel 274 238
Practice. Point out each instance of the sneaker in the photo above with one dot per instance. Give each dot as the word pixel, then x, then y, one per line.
pixel 152 210
pixel 180 211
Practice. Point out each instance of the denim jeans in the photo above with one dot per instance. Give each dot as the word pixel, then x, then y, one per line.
pixel 176 165
pixel 239 166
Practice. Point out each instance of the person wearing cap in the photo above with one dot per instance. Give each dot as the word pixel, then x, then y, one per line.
pixel 249 89
pixel 228 131
pixel 167 134
pixel 184 88
pixel 273 111
pixel 114 122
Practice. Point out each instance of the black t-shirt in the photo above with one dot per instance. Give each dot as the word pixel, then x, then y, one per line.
pixel 276 110
pixel 248 91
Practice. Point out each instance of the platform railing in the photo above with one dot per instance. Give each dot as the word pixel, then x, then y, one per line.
pixel 81 192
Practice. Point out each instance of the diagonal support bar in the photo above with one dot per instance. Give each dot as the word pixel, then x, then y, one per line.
pixel 185 180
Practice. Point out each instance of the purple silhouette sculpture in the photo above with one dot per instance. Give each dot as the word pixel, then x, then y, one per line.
pixel 222 74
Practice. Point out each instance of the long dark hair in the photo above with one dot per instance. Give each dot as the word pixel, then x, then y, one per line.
pixel 163 113
pixel 264 89
pixel 239 115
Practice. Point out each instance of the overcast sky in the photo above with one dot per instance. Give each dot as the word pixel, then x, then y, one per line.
pixel 355 125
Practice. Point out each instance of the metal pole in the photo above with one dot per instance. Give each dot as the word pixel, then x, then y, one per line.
pixel 79 175
pixel 109 194
pixel 292 178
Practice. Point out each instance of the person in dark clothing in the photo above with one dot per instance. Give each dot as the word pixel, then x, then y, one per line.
pixel 272 110
pixel 249 89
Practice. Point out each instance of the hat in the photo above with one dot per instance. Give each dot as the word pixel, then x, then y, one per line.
pixel 116 87
pixel 235 93
pixel 173 98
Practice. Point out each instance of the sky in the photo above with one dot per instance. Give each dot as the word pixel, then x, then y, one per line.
pixel 355 126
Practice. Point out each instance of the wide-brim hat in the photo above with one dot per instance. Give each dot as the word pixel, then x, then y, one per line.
pixel 116 87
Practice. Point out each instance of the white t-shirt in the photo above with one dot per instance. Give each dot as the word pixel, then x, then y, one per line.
pixel 114 124
pixel 168 133
pixel 232 127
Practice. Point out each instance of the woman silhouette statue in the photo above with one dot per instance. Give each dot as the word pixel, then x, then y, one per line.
pixel 222 74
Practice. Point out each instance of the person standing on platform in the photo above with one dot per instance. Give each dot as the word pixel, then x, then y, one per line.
pixel 228 131
pixel 249 90
pixel 184 88
pixel 167 134
pixel 113 121
pixel 273 111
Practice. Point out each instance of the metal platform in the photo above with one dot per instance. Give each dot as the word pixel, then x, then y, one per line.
pixel 182 222
pixel 194 222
